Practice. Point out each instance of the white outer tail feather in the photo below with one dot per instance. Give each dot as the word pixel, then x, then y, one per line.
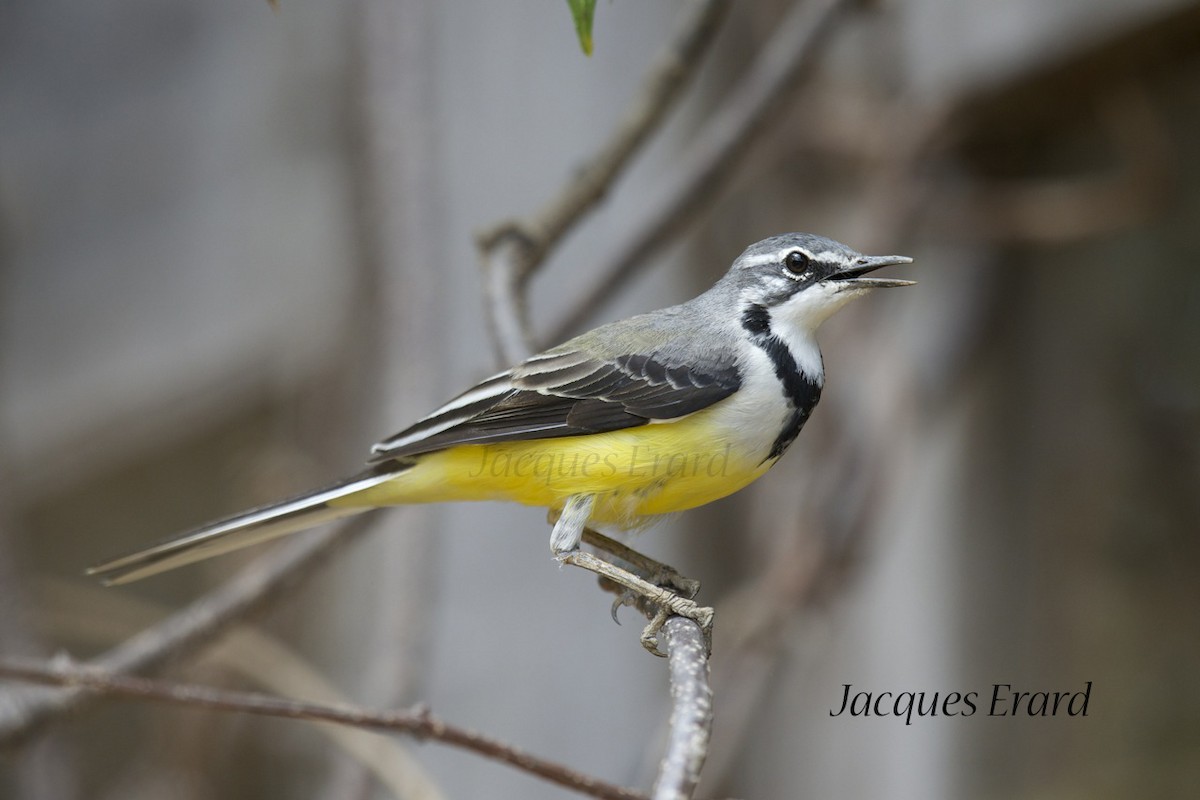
pixel 234 533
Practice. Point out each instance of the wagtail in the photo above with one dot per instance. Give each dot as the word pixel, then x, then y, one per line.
pixel 651 415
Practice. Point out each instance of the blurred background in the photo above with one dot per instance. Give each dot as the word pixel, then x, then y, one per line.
pixel 236 248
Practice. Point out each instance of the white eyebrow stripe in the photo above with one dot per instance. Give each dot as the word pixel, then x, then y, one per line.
pixel 826 256
pixel 771 258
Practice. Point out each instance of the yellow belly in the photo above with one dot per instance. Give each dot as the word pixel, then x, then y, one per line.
pixel 634 473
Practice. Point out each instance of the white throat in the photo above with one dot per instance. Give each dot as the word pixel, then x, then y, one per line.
pixel 801 341
pixel 808 309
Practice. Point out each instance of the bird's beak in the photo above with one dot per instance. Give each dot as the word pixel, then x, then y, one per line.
pixel 864 264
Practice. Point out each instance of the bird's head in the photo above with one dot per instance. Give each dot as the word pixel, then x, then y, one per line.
pixel 801 279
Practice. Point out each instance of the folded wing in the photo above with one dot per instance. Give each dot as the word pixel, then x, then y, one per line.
pixel 568 393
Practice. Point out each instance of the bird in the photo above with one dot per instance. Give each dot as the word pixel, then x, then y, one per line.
pixel 639 418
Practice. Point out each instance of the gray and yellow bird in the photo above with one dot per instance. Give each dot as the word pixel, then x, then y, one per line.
pixel 650 415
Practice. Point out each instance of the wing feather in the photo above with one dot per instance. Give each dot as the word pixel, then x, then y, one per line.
pixel 568 393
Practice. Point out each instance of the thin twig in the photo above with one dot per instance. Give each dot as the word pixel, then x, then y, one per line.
pixel 47 769
pixel 244 652
pixel 190 627
pixel 417 722
pixel 716 151
pixel 691 711
pixel 514 249
pixel 505 302
pixel 661 87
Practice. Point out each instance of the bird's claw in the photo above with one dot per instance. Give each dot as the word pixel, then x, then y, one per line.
pixel 676 606
pixel 616 606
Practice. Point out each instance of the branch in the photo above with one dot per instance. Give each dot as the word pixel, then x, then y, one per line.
pixel 244 652
pixel 508 313
pixel 185 630
pixel 417 722
pixel 718 149
pixel 48 769
pixel 514 249
pixel 691 711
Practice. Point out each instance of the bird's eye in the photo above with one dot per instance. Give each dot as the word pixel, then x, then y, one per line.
pixel 796 262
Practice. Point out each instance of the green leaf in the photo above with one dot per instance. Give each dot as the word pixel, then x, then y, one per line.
pixel 583 11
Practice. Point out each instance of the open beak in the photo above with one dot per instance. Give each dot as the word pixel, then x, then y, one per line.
pixel 864 264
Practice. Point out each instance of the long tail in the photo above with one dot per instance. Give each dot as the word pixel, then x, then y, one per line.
pixel 241 530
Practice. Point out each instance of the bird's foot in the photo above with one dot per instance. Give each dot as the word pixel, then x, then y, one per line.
pixel 701 615
pixel 657 602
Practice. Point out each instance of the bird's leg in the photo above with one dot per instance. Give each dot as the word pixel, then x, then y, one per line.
pixel 571 522
pixel 659 592
pixel 654 571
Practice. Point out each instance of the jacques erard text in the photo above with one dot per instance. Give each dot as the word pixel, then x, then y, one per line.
pixel 1002 700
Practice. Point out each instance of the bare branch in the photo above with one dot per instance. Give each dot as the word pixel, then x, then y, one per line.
pixel 514 249
pixel 263 582
pixel 47 769
pixel 691 711
pixel 417 722
pixel 716 151
pixel 661 87
pixel 506 307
